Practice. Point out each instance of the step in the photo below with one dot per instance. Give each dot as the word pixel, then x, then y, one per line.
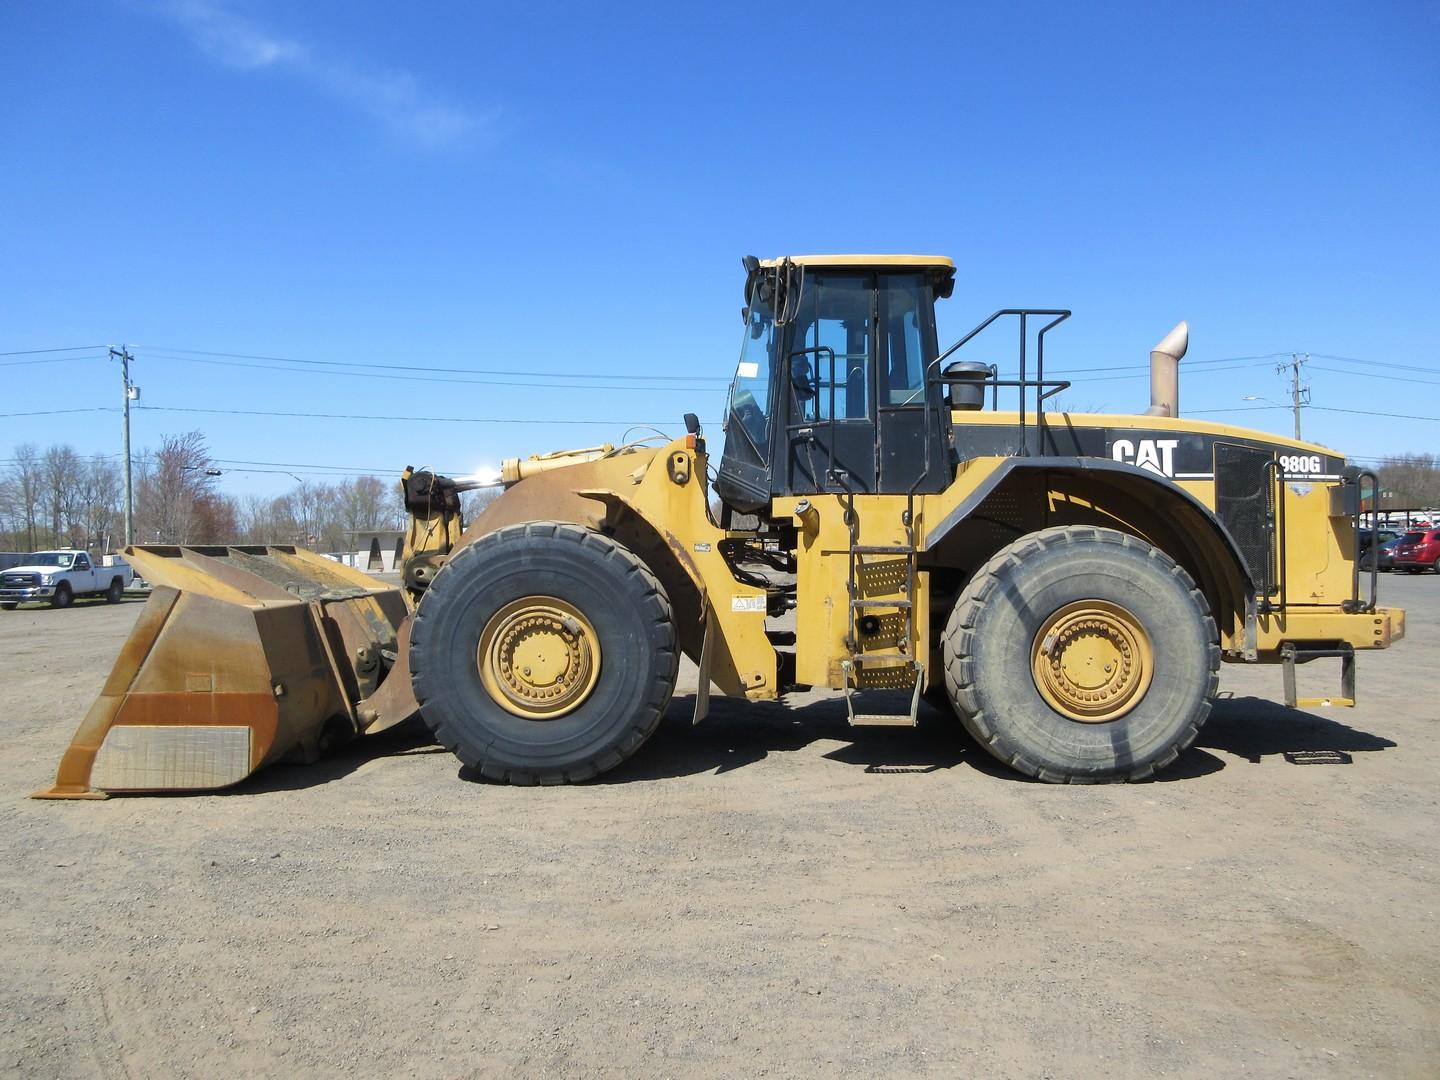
pixel 1292 656
pixel 881 601
pixel 881 549
pixel 881 658
pixel 882 720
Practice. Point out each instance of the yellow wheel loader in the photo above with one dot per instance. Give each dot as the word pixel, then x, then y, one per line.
pixel 891 521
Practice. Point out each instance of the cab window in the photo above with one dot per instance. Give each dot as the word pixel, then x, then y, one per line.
pixel 750 393
pixel 830 358
pixel 904 336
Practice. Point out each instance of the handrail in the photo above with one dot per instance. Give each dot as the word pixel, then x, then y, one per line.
pixel 1374 479
pixel 1265 607
pixel 1041 392
pixel 790 386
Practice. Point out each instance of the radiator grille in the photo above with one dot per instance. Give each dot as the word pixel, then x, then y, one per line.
pixel 1244 503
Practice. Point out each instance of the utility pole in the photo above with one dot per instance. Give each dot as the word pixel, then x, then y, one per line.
pixel 131 393
pixel 1299 395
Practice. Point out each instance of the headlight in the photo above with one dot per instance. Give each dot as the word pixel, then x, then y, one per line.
pixel 47 579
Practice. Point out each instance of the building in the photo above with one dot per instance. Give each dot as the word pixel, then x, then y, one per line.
pixel 377 551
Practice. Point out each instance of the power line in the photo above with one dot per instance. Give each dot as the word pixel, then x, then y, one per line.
pixel 1189 365
pixel 1373 375
pixel 1321 408
pixel 1143 375
pixel 440 379
pixel 356 469
pixel 1430 370
pixel 58 412
pixel 1368 412
pixel 67 348
pixel 52 360
pixel 390 416
pixel 1236 408
pixel 163 349
pixel 377 473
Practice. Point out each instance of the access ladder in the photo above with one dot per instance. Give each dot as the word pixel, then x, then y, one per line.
pixel 865 600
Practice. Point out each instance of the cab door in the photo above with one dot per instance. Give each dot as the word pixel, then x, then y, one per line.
pixel 829 386
pixel 82 574
pixel 912 431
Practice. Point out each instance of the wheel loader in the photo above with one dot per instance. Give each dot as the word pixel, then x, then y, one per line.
pixel 890 520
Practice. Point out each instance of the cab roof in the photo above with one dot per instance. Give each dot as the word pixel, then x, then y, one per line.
pixel 938 262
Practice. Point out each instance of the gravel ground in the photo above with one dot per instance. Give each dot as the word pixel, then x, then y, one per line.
pixel 769 894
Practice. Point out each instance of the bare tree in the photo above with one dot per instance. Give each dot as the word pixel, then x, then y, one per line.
pixel 176 496
pixel 26 481
pixel 99 501
pixel 366 504
pixel 310 510
pixel 62 472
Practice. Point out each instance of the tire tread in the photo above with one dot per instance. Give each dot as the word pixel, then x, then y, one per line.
pixel 959 639
pixel 645 719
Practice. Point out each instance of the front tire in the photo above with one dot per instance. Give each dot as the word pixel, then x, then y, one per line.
pixel 10 605
pixel 543 653
pixel 62 597
pixel 1082 655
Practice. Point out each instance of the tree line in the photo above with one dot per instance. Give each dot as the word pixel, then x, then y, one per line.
pixel 56 497
pixel 1410 481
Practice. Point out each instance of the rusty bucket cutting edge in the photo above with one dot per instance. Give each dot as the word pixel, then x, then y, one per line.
pixel 242 656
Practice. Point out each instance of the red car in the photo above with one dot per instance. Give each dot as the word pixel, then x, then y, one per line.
pixel 1418 550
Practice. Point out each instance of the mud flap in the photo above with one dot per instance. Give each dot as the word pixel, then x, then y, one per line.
pixel 702 688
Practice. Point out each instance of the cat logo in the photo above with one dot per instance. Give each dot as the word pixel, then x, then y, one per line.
pixel 1157 455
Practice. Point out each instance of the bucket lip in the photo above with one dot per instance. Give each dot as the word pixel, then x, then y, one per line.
pixel 257 575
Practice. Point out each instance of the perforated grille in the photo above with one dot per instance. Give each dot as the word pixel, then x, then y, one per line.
pixel 1244 502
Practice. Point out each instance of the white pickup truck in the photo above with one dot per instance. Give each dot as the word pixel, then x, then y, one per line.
pixel 57 577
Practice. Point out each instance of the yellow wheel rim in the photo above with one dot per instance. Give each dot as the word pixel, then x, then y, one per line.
pixel 539 657
pixel 1092 661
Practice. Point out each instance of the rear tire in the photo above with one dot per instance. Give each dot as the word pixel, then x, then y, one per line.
pixel 10 605
pixel 1062 599
pixel 62 597
pixel 538 593
pixel 115 593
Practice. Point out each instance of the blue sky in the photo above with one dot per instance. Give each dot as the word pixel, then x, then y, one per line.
pixel 565 191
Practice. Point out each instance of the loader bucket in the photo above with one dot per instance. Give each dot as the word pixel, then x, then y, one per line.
pixel 242 656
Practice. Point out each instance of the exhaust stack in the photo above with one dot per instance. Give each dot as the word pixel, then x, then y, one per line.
pixel 1165 371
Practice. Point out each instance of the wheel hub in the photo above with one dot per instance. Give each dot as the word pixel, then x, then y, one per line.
pixel 538 657
pixel 1092 661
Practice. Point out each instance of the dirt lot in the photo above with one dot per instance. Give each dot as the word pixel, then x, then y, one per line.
pixel 769 894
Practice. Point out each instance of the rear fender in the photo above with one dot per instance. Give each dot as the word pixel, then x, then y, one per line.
pixel 1024 494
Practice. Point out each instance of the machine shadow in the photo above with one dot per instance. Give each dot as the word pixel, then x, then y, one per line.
pixel 1254 728
pixel 403 740
pixel 740 733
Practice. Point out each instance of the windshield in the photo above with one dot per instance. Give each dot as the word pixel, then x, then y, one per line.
pixel 49 558
pixel 1412 538
pixel 750 392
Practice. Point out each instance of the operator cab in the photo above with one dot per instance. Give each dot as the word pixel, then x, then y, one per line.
pixel 831 393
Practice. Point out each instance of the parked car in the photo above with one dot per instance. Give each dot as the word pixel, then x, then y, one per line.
pixel 1384 555
pixel 1370 537
pixel 57 577
pixel 1418 550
